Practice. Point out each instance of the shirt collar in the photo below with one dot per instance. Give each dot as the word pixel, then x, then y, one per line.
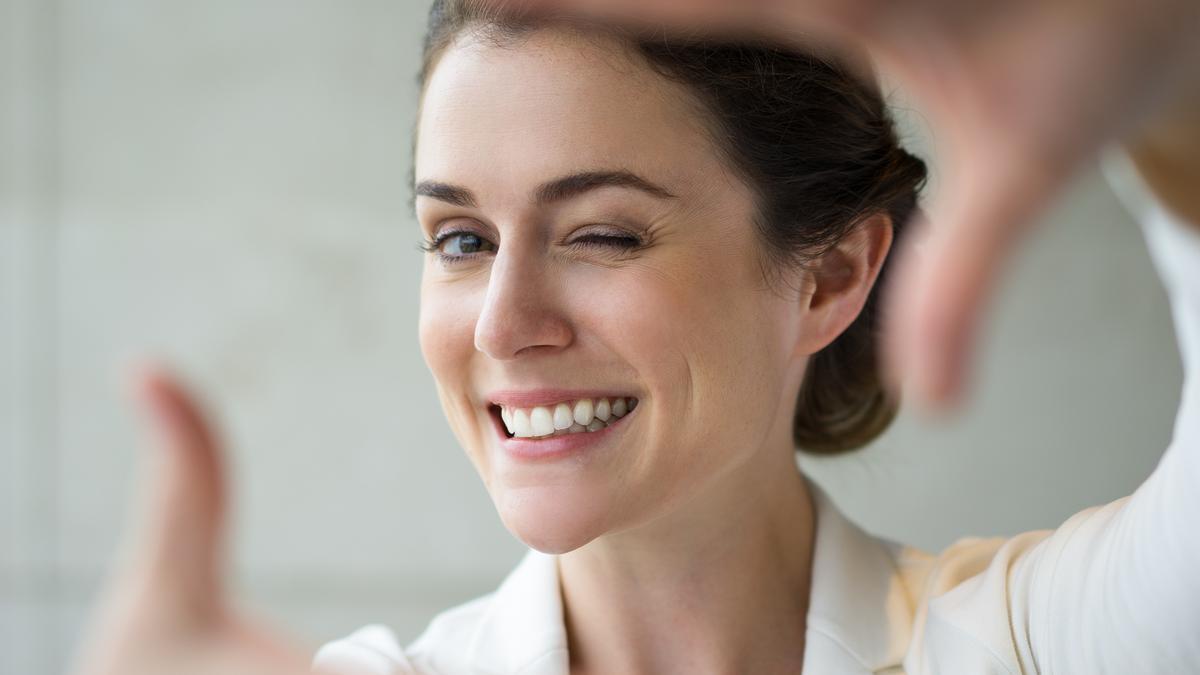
pixel 858 599
pixel 858 607
pixel 523 630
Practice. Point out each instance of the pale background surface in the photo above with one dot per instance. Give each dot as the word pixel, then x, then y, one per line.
pixel 225 184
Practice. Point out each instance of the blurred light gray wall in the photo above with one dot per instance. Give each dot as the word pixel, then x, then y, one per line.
pixel 224 185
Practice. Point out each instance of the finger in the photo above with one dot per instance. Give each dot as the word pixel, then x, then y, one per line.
pixel 948 271
pixel 179 551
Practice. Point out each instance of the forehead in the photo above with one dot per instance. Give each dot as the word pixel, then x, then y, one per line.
pixel 506 117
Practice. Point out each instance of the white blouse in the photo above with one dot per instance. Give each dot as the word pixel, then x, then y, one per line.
pixel 1115 589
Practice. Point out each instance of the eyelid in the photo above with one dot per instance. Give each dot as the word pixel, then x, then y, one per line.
pixel 447 232
pixel 609 231
pixel 468 225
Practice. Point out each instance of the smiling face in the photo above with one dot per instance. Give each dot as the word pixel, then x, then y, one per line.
pixel 595 246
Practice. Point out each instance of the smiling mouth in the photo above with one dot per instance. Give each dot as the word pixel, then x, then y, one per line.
pixel 567 417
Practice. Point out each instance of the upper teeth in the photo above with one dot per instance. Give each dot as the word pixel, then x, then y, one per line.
pixel 586 414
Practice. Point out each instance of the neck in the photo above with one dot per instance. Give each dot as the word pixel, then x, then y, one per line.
pixel 692 590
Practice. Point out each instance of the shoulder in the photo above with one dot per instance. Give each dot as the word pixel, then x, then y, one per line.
pixel 961 603
pixel 975 599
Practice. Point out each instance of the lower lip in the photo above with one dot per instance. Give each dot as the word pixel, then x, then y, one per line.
pixel 557 447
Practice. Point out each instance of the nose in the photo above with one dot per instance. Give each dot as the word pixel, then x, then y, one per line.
pixel 521 311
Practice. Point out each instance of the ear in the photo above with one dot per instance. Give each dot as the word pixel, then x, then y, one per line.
pixel 841 282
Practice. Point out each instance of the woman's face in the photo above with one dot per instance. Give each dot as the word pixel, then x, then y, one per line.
pixel 601 249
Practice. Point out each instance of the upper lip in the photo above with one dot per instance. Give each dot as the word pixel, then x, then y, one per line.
pixel 529 398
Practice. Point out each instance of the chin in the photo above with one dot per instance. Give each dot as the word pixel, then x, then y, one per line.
pixel 553 519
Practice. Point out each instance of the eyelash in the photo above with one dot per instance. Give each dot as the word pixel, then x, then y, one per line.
pixel 628 242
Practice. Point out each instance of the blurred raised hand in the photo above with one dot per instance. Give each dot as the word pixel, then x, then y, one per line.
pixel 1019 94
pixel 166 610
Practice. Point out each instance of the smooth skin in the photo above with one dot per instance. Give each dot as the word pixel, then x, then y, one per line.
pixel 167 610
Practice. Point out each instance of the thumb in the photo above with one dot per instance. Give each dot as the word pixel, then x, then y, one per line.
pixel 178 546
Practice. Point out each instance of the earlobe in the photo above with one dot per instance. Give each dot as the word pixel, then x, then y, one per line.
pixel 842 281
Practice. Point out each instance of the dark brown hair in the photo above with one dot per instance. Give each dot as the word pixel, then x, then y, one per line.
pixel 815 142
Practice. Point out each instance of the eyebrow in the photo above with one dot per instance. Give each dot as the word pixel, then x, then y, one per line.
pixel 556 190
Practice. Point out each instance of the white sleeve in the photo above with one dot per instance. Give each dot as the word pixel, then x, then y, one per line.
pixel 1117 588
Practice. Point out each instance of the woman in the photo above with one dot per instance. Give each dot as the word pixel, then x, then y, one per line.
pixel 652 275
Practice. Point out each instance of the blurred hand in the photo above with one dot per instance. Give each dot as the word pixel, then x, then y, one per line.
pixel 1019 94
pixel 166 611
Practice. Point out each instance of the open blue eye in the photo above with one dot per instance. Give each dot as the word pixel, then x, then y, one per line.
pixel 462 243
pixel 457 245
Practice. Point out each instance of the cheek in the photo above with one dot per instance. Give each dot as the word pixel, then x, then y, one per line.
pixel 436 345
pixel 430 329
pixel 708 331
pixel 446 331
pixel 446 327
pixel 705 342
